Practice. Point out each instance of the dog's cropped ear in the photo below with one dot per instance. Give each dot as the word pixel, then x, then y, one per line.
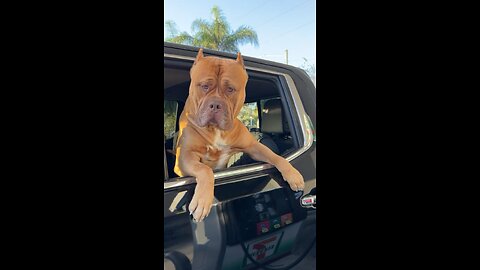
pixel 199 56
pixel 240 59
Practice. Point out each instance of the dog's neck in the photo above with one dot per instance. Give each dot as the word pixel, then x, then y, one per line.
pixel 207 132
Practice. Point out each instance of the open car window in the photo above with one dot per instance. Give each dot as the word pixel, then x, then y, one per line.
pixel 270 113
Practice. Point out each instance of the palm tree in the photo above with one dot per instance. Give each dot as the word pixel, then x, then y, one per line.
pixel 214 35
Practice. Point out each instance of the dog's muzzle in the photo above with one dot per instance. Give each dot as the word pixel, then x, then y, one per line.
pixel 214 112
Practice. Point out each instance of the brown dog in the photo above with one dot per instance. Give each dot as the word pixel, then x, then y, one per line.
pixel 210 132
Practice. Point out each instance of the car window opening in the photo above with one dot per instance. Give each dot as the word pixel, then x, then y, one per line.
pixel 264 113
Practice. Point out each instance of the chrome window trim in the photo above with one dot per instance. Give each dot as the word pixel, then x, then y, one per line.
pixel 304 125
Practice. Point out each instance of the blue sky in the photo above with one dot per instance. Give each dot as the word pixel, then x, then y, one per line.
pixel 280 24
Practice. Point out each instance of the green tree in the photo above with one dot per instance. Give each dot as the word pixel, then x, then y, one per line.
pixel 249 115
pixel 169 118
pixel 214 35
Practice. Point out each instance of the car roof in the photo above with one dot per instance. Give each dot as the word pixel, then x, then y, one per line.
pixel 192 51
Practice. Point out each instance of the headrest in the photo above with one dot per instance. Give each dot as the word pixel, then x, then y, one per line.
pixel 272 119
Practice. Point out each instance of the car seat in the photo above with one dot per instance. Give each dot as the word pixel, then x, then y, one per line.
pixel 272 124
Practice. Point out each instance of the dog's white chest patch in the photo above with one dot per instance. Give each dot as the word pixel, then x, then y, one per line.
pixel 218 142
pixel 219 146
pixel 222 161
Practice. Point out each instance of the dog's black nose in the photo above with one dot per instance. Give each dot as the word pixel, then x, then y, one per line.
pixel 215 106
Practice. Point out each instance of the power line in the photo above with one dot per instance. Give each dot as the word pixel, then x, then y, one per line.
pixel 298 27
pixel 287 11
pixel 253 9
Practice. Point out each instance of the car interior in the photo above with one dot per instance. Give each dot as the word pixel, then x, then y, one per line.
pixel 262 92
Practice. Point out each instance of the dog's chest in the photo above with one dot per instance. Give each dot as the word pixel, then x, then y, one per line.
pixel 217 153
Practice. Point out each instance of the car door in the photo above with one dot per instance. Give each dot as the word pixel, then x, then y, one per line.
pixel 255 215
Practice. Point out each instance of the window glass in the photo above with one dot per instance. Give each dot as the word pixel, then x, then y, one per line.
pixel 249 115
pixel 262 103
pixel 170 118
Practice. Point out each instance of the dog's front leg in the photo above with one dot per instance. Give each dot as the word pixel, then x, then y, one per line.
pixel 260 152
pixel 190 165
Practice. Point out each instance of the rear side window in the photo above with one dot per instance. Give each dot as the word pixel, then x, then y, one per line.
pixel 170 110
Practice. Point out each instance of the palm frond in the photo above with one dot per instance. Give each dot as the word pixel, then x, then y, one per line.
pixel 214 35
pixel 244 35
pixel 171 28
pixel 217 14
pixel 203 34
pixel 201 25
pixel 220 27
pixel 182 38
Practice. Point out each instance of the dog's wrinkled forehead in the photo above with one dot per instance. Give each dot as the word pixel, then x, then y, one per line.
pixel 214 67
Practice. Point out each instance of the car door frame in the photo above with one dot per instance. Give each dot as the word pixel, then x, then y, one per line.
pixel 304 121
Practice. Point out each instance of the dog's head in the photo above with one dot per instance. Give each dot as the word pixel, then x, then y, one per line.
pixel 217 90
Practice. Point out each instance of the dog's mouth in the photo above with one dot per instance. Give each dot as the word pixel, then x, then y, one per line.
pixel 214 112
pixel 218 120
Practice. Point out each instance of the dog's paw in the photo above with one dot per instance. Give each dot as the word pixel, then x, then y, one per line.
pixel 201 202
pixel 294 178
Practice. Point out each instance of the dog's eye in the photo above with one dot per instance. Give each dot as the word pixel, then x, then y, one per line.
pixel 204 87
pixel 230 89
